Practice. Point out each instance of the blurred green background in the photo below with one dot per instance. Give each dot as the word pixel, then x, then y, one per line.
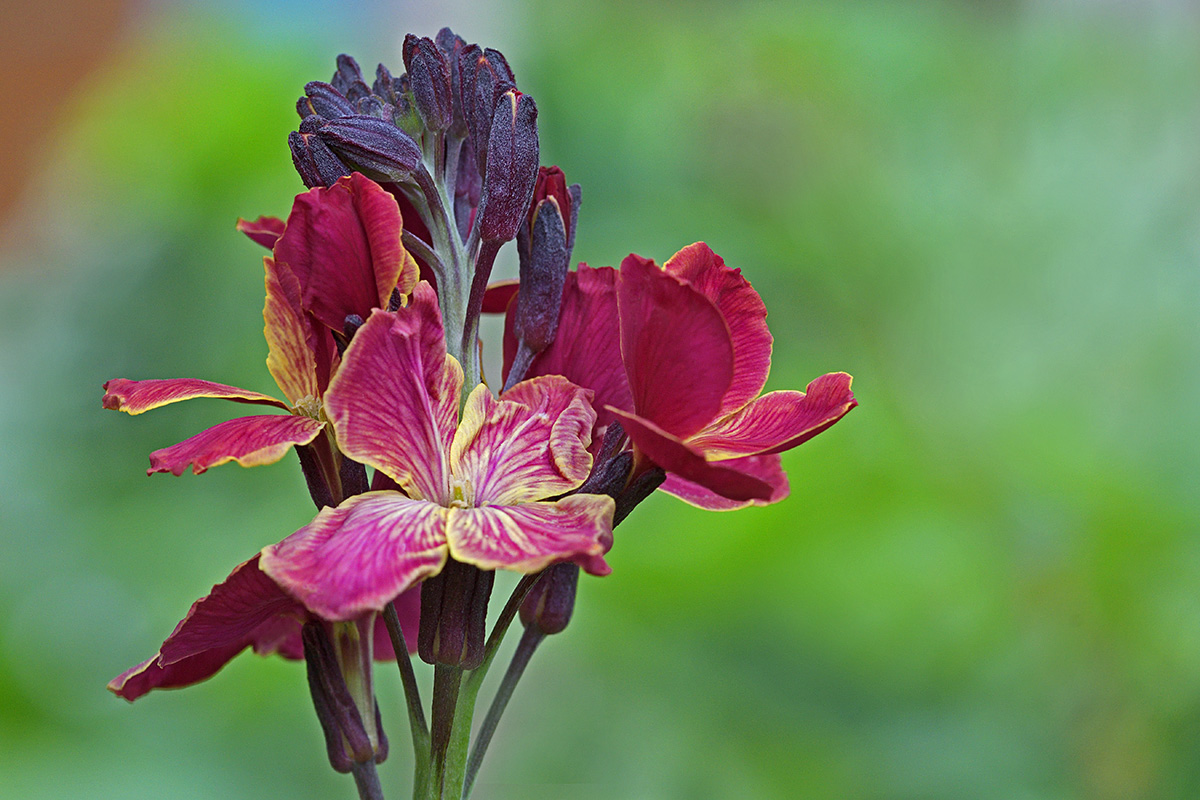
pixel 985 582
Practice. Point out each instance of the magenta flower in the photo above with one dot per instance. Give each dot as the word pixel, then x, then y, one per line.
pixel 247 609
pixel 679 355
pixel 478 491
pixel 339 254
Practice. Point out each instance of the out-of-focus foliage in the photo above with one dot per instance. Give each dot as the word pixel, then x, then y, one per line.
pixel 986 581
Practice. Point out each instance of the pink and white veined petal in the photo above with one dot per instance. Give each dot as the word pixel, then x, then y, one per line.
pixel 676 347
pixel 394 400
pixel 531 536
pixel 528 445
pixel 743 311
pixel 359 556
pixel 246 609
pixel 778 421
pixel 290 356
pixel 137 397
pixel 765 468
pixel 250 441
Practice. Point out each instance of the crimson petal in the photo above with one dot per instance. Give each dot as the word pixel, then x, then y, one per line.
pixel 676 347
pixel 250 441
pixel 137 397
pixel 674 456
pixel 245 609
pixel 264 230
pixel 343 243
pixel 778 421
pixel 587 348
pixel 766 468
pixel 743 311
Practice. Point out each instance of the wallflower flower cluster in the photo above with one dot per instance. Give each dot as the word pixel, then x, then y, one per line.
pixel 617 382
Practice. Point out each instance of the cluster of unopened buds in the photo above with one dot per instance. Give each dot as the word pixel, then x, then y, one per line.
pixel 616 382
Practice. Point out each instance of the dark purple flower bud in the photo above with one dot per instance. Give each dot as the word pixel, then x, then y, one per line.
pixel 348 78
pixel 315 162
pixel 552 183
pixel 638 490
pixel 385 85
pixel 451 44
pixel 429 77
pixel 326 101
pixel 375 147
pixel 453 615
pixel 467 189
pixel 484 75
pixel 373 106
pixel 549 604
pixel 512 167
pixel 347 739
pixel 543 273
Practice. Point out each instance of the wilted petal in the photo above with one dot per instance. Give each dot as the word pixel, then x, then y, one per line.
pixel 290 356
pixel 394 400
pixel 778 421
pixel 676 457
pixel 531 536
pixel 357 557
pixel 587 347
pixel 343 244
pixel 743 311
pixel 247 608
pixel 676 348
pixel 264 230
pixel 250 441
pixel 136 397
pixel 766 468
pixel 528 445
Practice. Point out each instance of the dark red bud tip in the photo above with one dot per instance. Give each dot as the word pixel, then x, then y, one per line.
pixel 327 101
pixel 374 146
pixel 512 167
pixel 429 77
pixel 453 615
pixel 549 604
pixel 348 74
pixel 316 163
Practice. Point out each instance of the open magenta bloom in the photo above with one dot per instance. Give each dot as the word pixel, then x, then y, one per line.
pixel 478 491
pixel 338 254
pixel 678 355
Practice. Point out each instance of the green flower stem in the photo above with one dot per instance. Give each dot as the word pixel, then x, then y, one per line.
pixel 530 640
pixel 412 695
pixel 447 681
pixel 456 756
pixel 366 780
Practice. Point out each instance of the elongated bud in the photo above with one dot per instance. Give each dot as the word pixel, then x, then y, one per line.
pixel 316 163
pixel 326 101
pixel 349 79
pixel 338 657
pixel 451 45
pixel 429 78
pixel 453 615
pixel 549 604
pixel 512 167
pixel 484 75
pixel 348 73
pixel 375 147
